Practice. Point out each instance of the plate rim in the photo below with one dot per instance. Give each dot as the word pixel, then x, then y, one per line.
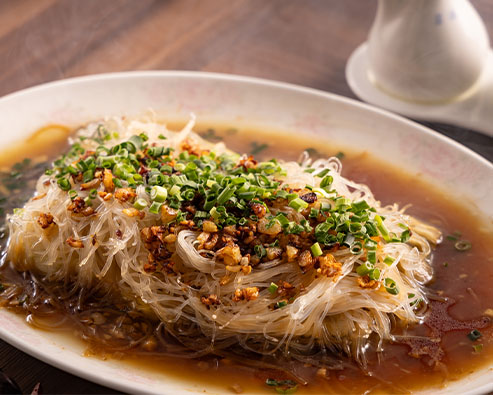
pixel 250 80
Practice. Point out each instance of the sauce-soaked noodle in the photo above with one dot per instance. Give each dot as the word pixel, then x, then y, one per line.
pixel 189 332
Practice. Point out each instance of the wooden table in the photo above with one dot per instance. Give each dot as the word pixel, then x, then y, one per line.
pixel 304 42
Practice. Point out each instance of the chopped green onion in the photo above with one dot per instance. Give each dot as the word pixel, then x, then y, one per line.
pixel 371 229
pixel 356 248
pixel 155 207
pixel 477 348
pixel 18 211
pixel 295 228
pixel 371 256
pixel 322 173
pixel 316 250
pixel 180 167
pixel 159 194
pixel 474 335
pixel 272 288
pixel 257 148
pixel 360 206
pixel 311 151
pixel 137 141
pixel 388 260
pixel 374 274
pixel 260 250
pixel 175 190
pixel 64 184
pixel 282 386
pixel 140 204
pixel 355 227
pixel 391 286
pixel 364 269
pixel 382 228
pixel 371 244
pixel 298 204
pixel 271 382
pixel 93 193
pixel 69 169
pixel 342 203
pixel 72 194
pixel 271 223
pixel 463 245
pixel 226 194
pixel 201 214
pixel 88 175
pixel 405 236
pixel 283 220
pixel 314 213
pixel 215 214
pixel 326 182
pixel 292 196
pixel 280 304
pixel 246 195
pixel 285 390
pixel 282 194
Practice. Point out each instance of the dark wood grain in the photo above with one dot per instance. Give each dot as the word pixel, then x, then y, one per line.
pixel 305 42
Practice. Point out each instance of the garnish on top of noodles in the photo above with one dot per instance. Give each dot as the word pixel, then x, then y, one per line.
pixel 262 254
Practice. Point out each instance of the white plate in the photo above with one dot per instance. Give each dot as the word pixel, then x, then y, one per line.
pixel 216 97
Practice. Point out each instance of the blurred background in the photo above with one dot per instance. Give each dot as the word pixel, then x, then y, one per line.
pixel 305 42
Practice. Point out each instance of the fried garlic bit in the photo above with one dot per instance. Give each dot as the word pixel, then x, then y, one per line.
pixel 329 267
pixel 108 183
pixel 229 254
pixel 46 220
pixel 125 194
pixel 250 293
pixel 75 243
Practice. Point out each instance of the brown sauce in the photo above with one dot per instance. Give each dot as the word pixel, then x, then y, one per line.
pixel 463 277
pixel 42 144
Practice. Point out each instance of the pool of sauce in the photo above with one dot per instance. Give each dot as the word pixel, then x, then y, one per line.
pixel 465 278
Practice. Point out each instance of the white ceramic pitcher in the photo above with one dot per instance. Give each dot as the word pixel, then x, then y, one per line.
pixel 427 50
